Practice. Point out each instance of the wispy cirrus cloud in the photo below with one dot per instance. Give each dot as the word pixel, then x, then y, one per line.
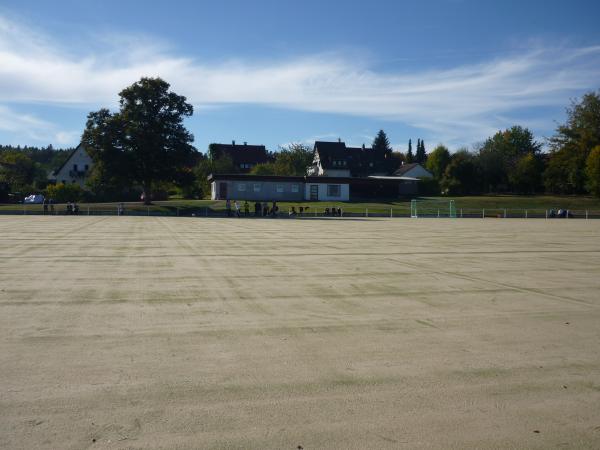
pixel 462 104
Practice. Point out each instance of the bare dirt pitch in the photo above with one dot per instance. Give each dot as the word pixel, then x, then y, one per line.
pixel 125 332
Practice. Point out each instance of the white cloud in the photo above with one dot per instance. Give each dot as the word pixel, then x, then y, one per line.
pixel 33 128
pixel 461 104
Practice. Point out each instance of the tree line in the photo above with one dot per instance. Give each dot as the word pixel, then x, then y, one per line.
pixel 145 148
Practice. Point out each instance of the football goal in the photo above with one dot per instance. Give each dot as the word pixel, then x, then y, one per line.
pixel 432 208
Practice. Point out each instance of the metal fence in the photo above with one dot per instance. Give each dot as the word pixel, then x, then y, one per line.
pixel 319 212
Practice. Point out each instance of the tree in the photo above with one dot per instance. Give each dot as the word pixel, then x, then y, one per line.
pixel 381 143
pixel 17 170
pixel 592 171
pixel 499 155
pixel 437 161
pixel 526 176
pixel 264 169
pixel 293 160
pixel 421 155
pixel 63 193
pixel 409 154
pixel 460 176
pixel 572 144
pixel 145 141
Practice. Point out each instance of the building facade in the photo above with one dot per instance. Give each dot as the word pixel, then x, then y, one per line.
pixel 310 188
pixel 75 169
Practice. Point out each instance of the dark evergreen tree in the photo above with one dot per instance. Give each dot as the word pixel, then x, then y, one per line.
pixel 410 157
pixel 381 143
pixel 421 155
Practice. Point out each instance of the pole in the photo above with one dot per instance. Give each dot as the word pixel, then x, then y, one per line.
pixel 88 210
pixel 586 214
pixel 526 214
pixel 177 212
pixel 546 214
pixel 391 213
pixel 505 213
pixel 483 215
pixel 461 215
pixel 366 212
pixel 438 213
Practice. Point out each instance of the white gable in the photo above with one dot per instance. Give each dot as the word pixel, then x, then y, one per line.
pixel 76 169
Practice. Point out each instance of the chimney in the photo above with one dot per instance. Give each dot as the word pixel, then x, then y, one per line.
pixel 363 146
pixel 245 143
pixel 339 139
pixel 232 142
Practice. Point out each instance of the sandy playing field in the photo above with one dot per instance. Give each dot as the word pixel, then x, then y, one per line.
pixel 120 332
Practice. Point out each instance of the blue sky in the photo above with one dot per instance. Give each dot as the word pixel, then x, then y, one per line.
pixel 274 72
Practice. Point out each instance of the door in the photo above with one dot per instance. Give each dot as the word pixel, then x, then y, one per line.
pixel 223 191
pixel 314 192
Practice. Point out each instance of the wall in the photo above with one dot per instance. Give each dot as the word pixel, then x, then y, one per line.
pixel 267 190
pixel 81 158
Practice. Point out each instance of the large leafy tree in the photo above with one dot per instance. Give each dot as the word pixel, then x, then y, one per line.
pixel 146 141
pixel 592 170
pixel 17 170
pixel 572 144
pixel 461 175
pixel 500 154
pixel 293 159
pixel 437 161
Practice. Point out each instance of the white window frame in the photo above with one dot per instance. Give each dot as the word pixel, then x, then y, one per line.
pixel 256 187
pixel 241 187
pixel 295 188
pixel 279 188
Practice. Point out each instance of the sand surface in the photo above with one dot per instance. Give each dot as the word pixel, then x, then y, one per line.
pixel 133 333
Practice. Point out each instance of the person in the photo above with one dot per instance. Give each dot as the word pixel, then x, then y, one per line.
pixel 301 210
pixel 339 211
pixel 326 211
pixel 75 208
pixel 265 209
pixel 237 208
pixel 45 206
pixel 246 208
pixel 228 207
pixel 257 209
pixel 274 209
pixel 293 211
pixel 69 208
pixel 51 206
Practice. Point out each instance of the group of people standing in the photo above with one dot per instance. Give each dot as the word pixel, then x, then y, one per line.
pixel 260 209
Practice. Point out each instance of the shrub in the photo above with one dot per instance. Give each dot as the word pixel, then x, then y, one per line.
pixel 62 193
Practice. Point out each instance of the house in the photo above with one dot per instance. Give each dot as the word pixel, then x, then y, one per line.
pixel 412 170
pixel 75 169
pixel 308 188
pixel 244 157
pixel 335 159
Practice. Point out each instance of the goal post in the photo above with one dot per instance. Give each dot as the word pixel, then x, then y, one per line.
pixel 432 208
pixel 413 209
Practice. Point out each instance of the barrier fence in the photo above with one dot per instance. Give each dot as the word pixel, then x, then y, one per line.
pixel 424 211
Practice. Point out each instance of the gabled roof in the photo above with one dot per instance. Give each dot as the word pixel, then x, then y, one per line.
pixel 406 168
pixel 243 154
pixel 55 172
pixel 330 152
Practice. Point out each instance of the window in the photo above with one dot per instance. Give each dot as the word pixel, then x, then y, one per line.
pixel 280 188
pixel 295 188
pixel 242 187
pixel 86 167
pixel 256 187
pixel 334 190
pixel 74 167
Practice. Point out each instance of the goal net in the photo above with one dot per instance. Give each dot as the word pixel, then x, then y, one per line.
pixel 432 208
